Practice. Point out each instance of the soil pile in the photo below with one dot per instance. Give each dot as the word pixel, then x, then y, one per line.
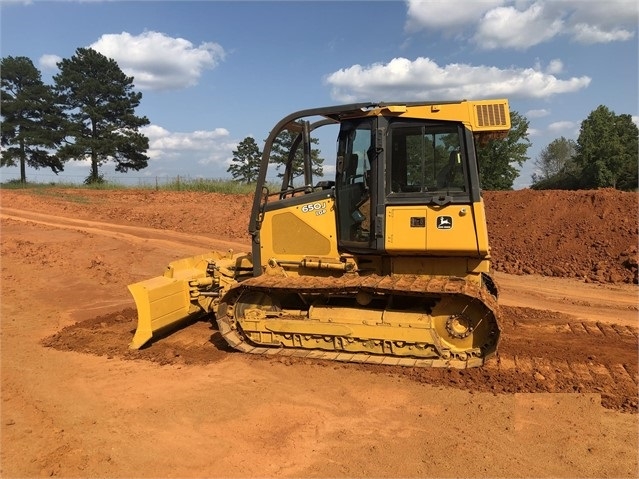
pixel 590 235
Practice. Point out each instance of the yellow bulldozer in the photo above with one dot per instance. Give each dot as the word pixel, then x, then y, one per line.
pixel 387 264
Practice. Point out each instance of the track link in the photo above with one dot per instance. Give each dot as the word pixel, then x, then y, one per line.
pixel 350 285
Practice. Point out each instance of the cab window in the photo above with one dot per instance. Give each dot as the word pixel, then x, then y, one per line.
pixel 426 158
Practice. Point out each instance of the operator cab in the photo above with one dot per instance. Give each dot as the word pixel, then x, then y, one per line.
pixel 384 161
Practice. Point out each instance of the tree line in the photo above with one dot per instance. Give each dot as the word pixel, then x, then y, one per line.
pixel 89 114
pixel 603 156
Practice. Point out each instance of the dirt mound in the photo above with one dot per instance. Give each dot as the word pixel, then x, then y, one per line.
pixel 109 336
pixel 590 235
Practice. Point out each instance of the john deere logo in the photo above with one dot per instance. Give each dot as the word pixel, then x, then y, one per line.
pixel 444 222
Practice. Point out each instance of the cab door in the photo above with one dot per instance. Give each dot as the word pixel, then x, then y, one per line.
pixel 355 185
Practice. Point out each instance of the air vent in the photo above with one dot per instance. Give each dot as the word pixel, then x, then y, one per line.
pixel 491 115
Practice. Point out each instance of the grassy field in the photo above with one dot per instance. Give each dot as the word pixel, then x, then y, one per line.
pixel 178 184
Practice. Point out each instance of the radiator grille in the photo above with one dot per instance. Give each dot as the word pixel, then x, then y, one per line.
pixel 491 115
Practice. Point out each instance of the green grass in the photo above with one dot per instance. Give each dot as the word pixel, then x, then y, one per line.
pixel 178 184
pixel 208 186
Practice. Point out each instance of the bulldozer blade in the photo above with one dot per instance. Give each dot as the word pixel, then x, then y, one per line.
pixel 163 304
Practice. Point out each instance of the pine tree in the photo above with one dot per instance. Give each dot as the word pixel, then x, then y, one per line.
pixel 31 123
pixel 101 102
pixel 279 155
pixel 245 165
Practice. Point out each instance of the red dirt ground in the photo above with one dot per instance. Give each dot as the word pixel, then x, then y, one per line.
pixel 560 400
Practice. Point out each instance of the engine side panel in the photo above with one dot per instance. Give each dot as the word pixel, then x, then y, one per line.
pixel 294 230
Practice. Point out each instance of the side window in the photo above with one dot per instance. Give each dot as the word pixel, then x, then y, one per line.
pixel 426 158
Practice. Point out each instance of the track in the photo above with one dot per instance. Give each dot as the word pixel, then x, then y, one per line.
pixel 569 346
pixel 350 340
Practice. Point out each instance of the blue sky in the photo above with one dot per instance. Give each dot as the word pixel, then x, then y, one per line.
pixel 212 73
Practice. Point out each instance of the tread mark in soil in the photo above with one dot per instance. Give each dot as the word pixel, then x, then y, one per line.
pixel 578 328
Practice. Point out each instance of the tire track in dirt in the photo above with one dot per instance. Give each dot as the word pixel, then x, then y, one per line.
pixel 572 357
pixel 589 302
pixel 188 242
pixel 542 351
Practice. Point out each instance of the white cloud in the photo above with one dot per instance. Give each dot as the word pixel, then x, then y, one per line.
pixel 590 34
pixel 157 61
pixel 555 66
pixel 537 113
pixel 49 62
pixel 559 126
pixel 591 22
pixel 609 14
pixel 423 79
pixel 438 15
pixel 508 27
pixel 211 148
pixel 520 24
